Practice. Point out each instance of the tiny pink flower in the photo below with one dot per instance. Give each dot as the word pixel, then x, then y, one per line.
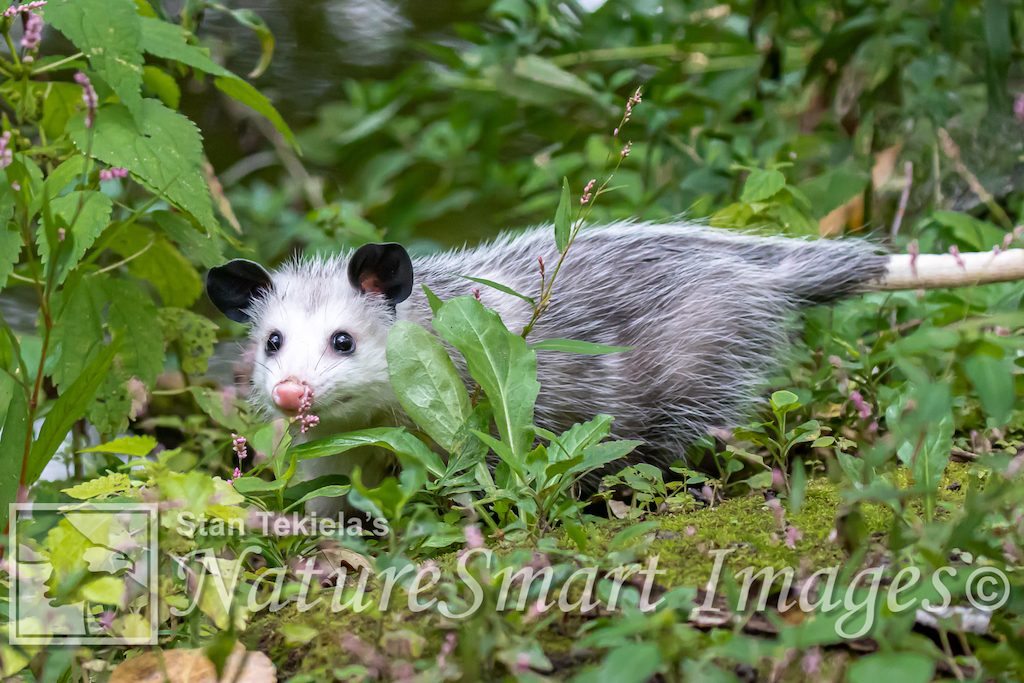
pixel 793 535
pixel 811 661
pixel 522 662
pixel 540 260
pixel 476 294
pixel 625 150
pixel 6 153
pixel 28 7
pixel 238 445
pixel 474 537
pixel 586 191
pixel 16 185
pixel 33 31
pixel 955 252
pixel 61 234
pixel 690 531
pixel 862 406
pixel 446 649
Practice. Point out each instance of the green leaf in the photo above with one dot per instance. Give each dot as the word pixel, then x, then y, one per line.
pixel 109 33
pixel 137 446
pixel 165 154
pixel 69 408
pixel 329 491
pixel 993 381
pixel 623 538
pixel 11 240
pixel 132 316
pixel 12 450
pixel 87 213
pixel 632 663
pixel 163 85
pixel 205 249
pixel 156 261
pixel 798 487
pixel 500 361
pixel 240 90
pixel 579 436
pixel 498 286
pixel 426 382
pixel 575 346
pixel 784 401
pixel 433 300
pixel 112 484
pixel 933 456
pixel 63 100
pixel 297 634
pixel 762 184
pixel 396 439
pixel 170 42
pixel 77 335
pixel 563 218
pixel 905 667
pixel 191 335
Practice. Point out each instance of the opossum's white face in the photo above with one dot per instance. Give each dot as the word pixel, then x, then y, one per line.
pixel 319 329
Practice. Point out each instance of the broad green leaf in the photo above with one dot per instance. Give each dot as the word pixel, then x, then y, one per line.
pixel 77 335
pixel 535 79
pixel 137 446
pixel 165 154
pixel 87 213
pixel 426 382
pixel 784 401
pixel 396 439
pixel 163 85
pixel 297 634
pixel 433 300
pixel 191 336
pixel 170 42
pixel 498 286
pixel 63 100
pixel 205 249
pixel 628 534
pixel 69 408
pixel 576 346
pixel 500 361
pixel 993 381
pixel 905 667
pixel 12 450
pixel 579 436
pixel 631 663
pixel 222 407
pixel 933 456
pixel 58 180
pixel 156 261
pixel 132 316
pixel 563 218
pixel 330 491
pixel 762 184
pixel 109 33
pixel 106 590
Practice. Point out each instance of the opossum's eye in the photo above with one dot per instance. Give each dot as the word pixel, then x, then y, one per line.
pixel 273 343
pixel 342 342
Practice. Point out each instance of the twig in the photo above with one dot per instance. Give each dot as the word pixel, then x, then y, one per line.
pixel 904 198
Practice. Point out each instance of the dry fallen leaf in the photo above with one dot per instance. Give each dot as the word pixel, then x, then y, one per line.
pixel 192 666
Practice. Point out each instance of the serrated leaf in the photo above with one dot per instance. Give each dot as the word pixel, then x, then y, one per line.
pixel 163 85
pixel 576 346
pixel 132 316
pixel 112 484
pixel 63 100
pixel 762 184
pixel 164 154
pixel 137 446
pixel 563 218
pixel 77 335
pixel 87 213
pixel 170 42
pixel 194 336
pixel 500 361
pixel 426 382
pixel 68 408
pixel 11 243
pixel 206 249
pixel 109 33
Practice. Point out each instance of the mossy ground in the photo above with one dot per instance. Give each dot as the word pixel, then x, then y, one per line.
pixel 682 541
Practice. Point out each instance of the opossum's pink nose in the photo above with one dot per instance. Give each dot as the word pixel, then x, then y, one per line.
pixel 290 394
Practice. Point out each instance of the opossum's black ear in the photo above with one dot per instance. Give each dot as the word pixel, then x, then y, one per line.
pixel 382 268
pixel 233 286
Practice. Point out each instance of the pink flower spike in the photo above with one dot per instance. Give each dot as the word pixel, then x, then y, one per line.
pixel 540 260
pixel 476 293
pixel 793 535
pixel 33 31
pixel 88 97
pixel 238 446
pixel 625 150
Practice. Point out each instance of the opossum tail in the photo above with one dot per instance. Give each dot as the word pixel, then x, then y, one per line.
pixel 949 271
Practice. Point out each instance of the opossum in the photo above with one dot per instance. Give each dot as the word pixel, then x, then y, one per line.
pixel 707 312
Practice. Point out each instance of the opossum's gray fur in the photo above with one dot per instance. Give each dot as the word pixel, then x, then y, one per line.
pixel 707 311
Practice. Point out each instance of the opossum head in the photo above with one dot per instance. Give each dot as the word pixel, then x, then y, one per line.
pixel 319 328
